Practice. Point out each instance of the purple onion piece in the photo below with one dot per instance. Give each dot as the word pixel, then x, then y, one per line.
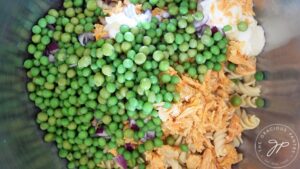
pixel 51 27
pixel 51 58
pixel 199 24
pixel 214 29
pixel 133 125
pixel 148 136
pixel 86 38
pixel 121 161
pixel 73 65
pixel 201 30
pixel 129 147
pixel 100 132
pixel 51 48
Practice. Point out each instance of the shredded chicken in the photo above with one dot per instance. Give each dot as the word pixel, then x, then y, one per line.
pixel 226 6
pixel 99 32
pixel 245 65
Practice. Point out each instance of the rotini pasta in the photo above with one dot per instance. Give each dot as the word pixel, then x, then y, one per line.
pixel 219 142
pixel 237 141
pixel 248 121
pixel 241 88
pixel 232 75
pixel 248 101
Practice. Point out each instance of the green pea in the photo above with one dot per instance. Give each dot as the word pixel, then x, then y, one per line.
pixel 200 59
pixel 78 3
pixel 106 119
pixel 260 102
pixel 259 76
pixel 42 22
pixel 242 26
pixel 170 140
pixel 236 100
pixel 184 148
pixel 207 40
pixel 169 37
pixel 217 67
pixel 128 36
pixel 147 108
pixel 198 16
pixel 149 145
pixel 231 67
pixel 128 133
pixel 91 5
pixel 192 71
pixel 227 28
pixel 221 58
pixel 190 29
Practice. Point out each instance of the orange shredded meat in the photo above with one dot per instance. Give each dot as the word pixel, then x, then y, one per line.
pixel 202 109
pixel 157 11
pixel 99 31
pixel 245 65
pixel 226 5
pixel 235 128
pixel 232 157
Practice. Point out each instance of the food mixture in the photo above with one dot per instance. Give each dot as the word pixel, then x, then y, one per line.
pixel 153 84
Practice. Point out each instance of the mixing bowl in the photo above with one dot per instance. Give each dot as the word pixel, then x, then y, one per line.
pixel 21 143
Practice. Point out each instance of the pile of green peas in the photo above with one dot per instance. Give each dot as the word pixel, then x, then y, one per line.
pixel 113 80
pixel 175 7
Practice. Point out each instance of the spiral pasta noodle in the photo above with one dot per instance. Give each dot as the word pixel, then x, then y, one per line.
pixel 242 88
pixel 237 141
pixel 219 142
pixel 248 121
pixel 232 75
pixel 248 101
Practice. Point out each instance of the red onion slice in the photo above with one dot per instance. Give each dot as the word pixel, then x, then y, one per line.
pixel 51 48
pixel 148 136
pixel 199 24
pixel 214 29
pixel 51 27
pixel 100 132
pixel 129 147
pixel 133 125
pixel 51 58
pixel 86 38
pixel 121 161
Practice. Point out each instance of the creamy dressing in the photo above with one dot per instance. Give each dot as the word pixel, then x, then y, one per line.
pixel 253 39
pixel 127 17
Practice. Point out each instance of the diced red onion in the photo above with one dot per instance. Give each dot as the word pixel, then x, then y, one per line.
pixel 199 24
pixel 201 30
pixel 51 48
pixel 129 147
pixel 148 136
pixel 121 161
pixel 85 38
pixel 73 65
pixel 214 29
pixel 51 27
pixel 100 132
pixel 51 58
pixel 133 125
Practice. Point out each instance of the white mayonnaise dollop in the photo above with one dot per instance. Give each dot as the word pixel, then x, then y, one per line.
pixel 127 17
pixel 253 39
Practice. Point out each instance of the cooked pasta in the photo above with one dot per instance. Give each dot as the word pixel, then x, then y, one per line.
pixel 248 121
pixel 237 141
pixel 232 75
pixel 219 142
pixel 248 101
pixel 204 118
